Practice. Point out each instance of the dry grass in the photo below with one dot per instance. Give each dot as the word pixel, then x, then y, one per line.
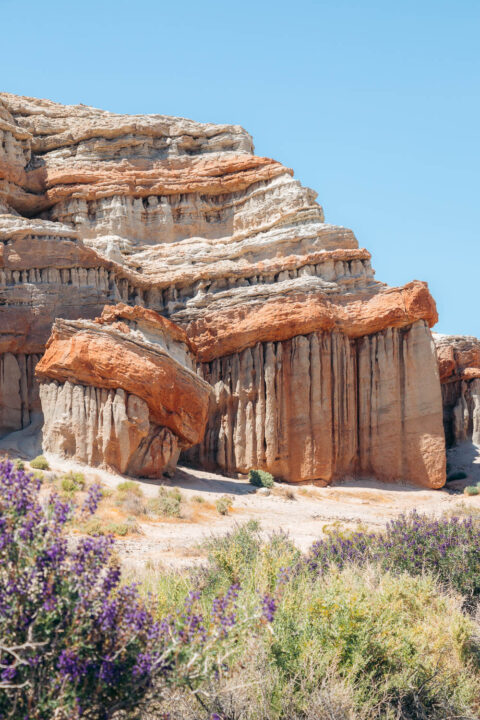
pixel 285 492
pixel 198 512
pixel 464 509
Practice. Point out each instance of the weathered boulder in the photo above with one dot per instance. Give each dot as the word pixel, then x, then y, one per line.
pixel 121 391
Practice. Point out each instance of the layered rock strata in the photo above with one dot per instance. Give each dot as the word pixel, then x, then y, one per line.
pixel 459 366
pixel 182 218
pixel 121 392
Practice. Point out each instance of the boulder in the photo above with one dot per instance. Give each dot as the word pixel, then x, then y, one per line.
pixel 121 391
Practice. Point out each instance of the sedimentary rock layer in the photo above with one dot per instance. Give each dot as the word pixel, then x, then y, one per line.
pixel 18 391
pixel 326 406
pixel 459 366
pixel 106 427
pixel 231 325
pixel 182 218
pixel 121 391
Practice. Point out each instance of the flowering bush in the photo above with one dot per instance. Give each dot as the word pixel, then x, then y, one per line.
pixel 353 642
pixel 75 642
pixel 414 543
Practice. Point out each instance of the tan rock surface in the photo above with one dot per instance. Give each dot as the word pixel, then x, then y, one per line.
pixel 459 366
pixel 121 391
pixel 324 406
pixel 182 218
pixel 106 428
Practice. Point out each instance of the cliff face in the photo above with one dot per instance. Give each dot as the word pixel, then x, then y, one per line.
pixel 324 405
pixel 318 370
pixel 459 366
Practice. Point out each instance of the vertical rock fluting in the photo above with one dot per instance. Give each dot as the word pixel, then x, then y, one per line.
pixel 323 406
pixel 319 370
pixel 459 366
pixel 400 433
pixel 97 426
pixel 18 391
pixel 121 392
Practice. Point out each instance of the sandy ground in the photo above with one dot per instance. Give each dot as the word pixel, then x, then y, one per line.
pixel 304 512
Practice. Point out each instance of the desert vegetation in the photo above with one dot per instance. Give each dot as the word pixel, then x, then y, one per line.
pixel 260 478
pixel 364 626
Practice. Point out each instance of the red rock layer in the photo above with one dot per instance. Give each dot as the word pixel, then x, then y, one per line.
pixel 458 358
pixel 112 357
pixel 182 218
pixel 45 187
pixel 221 333
pixel 111 314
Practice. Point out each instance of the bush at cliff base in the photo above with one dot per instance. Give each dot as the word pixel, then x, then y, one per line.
pixel 74 641
pixel 260 478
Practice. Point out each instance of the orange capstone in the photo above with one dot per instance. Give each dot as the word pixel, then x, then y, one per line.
pixel 224 331
pixel 152 361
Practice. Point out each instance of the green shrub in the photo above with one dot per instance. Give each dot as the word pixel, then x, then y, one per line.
pixel 403 648
pixel 223 504
pixel 167 504
pixel 19 464
pixel 260 478
pixel 198 499
pixel 170 492
pixel 359 642
pixel 106 492
pixel 72 482
pixel 40 463
pixel 242 556
pixel 122 528
pixel 231 556
pixel 472 490
pixel 131 499
pixel 128 486
pixel 68 485
pixel 96 526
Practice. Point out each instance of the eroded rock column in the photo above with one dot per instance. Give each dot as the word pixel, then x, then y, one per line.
pixel 325 406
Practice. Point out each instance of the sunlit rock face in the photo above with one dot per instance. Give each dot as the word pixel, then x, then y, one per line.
pixel 121 392
pixel 459 366
pixel 318 370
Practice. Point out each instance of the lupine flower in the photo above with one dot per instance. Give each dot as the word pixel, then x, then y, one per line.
pixel 71 619
pixel 414 543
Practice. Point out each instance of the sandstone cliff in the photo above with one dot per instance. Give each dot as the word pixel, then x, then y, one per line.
pixel 318 370
pixel 459 366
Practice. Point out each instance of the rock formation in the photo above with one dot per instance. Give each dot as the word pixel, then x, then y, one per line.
pixel 121 391
pixel 459 366
pixel 318 370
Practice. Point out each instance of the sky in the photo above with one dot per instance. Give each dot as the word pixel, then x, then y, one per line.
pixel 375 105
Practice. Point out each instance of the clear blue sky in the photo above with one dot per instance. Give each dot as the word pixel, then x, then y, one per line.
pixel 375 105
